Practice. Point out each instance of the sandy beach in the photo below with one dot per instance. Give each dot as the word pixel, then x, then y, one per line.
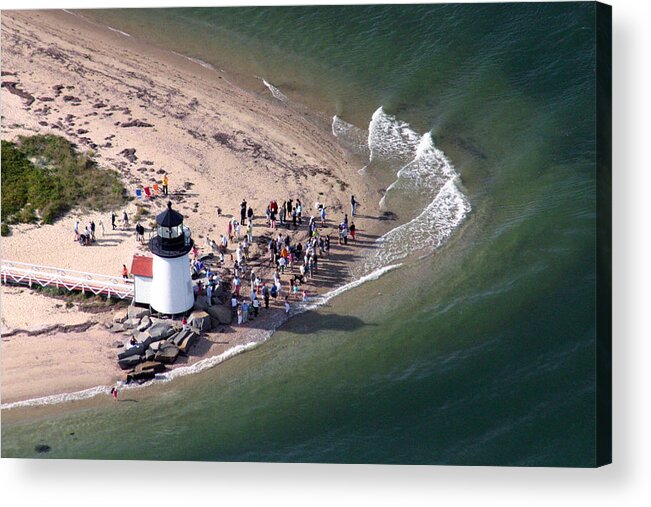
pixel 145 111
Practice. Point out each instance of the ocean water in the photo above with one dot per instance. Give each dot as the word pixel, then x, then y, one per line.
pixel 472 339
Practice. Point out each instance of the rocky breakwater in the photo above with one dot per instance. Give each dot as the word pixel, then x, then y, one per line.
pixel 153 344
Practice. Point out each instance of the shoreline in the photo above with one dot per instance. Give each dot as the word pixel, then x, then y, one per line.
pixel 282 135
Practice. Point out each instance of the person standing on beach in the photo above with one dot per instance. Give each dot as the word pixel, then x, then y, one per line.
pixel 265 295
pixel 125 272
pixel 243 212
pixel 114 393
pixel 249 214
pixel 272 217
pixel 125 220
pixel 249 230
pixel 92 230
pixel 282 212
pixel 113 219
pixel 76 229
pixel 353 205
pixel 287 307
pixel 299 211
pixel 352 230
pixel 323 216
pixel 165 184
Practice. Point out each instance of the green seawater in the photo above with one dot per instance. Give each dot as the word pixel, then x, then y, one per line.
pixel 480 352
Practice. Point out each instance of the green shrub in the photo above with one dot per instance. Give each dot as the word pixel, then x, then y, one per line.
pixel 45 176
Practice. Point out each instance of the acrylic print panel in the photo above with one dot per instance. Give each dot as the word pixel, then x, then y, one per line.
pixel 342 234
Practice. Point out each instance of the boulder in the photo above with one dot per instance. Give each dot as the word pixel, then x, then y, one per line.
pixel 131 323
pixel 131 351
pixel 200 320
pixel 221 294
pixel 149 355
pixel 120 317
pixel 187 342
pixel 141 376
pixel 136 312
pixel 201 303
pixel 155 345
pixel 150 365
pixel 117 344
pixel 117 328
pixel 167 353
pixel 128 362
pixel 221 313
pixel 143 338
pixel 178 337
pixel 145 322
pixel 160 330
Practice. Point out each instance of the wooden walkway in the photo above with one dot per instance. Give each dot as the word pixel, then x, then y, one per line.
pixel 21 273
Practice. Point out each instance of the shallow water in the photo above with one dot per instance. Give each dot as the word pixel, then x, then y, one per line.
pixel 479 348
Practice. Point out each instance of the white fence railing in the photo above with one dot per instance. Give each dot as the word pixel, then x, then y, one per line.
pixel 47 276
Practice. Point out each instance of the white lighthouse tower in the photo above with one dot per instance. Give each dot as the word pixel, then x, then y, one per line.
pixel 171 286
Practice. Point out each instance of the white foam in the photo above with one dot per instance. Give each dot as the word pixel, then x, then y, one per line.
pixel 275 91
pixel 58 398
pixel 351 137
pixel 205 65
pixel 118 31
pixel 424 172
pixel 389 138
pixel 204 364
pixel 322 300
pixel 428 231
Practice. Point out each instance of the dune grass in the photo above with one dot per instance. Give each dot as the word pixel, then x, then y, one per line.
pixel 44 176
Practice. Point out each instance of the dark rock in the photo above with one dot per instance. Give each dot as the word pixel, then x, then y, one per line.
pixel 137 312
pixel 188 342
pixel 155 345
pixel 149 355
pixel 150 365
pixel 42 448
pixel 82 131
pixel 117 328
pixel 46 99
pixel 131 323
pixel 57 89
pixel 221 313
pixel 117 344
pixel 99 105
pixel 200 320
pixel 131 350
pixel 129 362
pixel 141 376
pixel 120 317
pixel 136 123
pixel 129 154
pixel 160 330
pixel 145 322
pixel 71 98
pixel 13 88
pixel 167 353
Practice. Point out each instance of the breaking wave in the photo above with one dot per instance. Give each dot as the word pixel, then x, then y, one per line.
pixel 277 94
pixel 424 172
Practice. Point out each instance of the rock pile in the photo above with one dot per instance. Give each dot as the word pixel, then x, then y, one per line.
pixel 154 343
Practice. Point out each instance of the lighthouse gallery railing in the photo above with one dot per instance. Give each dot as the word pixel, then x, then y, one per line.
pixel 47 276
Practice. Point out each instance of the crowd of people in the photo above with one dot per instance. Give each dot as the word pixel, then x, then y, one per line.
pixel 294 263
pixel 87 237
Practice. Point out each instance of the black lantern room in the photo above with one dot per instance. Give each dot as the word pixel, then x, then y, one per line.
pixel 171 239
